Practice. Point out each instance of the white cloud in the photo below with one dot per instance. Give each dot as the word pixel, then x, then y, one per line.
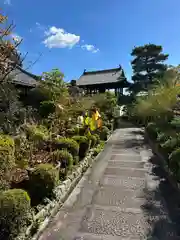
pixel 16 37
pixel 7 2
pixel 59 38
pixel 90 48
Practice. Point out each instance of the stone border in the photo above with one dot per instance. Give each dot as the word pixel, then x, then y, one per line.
pixel 62 191
pixel 163 164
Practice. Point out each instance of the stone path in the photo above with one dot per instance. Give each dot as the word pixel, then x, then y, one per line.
pixel 124 196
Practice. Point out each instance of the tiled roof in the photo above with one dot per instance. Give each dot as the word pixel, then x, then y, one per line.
pixel 24 78
pixel 100 77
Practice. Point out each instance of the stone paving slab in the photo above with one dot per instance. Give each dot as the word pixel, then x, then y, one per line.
pixel 125 157
pixel 120 181
pixel 125 172
pixel 118 223
pixel 119 164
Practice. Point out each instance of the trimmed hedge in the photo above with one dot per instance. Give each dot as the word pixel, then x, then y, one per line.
pixel 66 143
pixel 14 213
pixel 64 157
pixel 174 163
pixel 83 145
pixel 104 133
pixel 7 160
pixel 170 145
pixel 42 181
pixel 93 140
pixel 152 130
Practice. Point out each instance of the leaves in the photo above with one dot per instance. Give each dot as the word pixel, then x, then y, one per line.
pixel 147 65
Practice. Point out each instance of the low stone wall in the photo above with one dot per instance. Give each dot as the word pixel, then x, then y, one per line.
pixel 62 191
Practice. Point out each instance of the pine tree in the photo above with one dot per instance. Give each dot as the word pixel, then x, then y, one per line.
pixel 148 66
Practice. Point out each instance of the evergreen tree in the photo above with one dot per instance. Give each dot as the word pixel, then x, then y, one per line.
pixel 148 65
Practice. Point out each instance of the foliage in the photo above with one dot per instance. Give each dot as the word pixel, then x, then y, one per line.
pixel 159 102
pixel 12 114
pixel 46 108
pixel 64 157
pixel 175 123
pixel 7 160
pixel 162 137
pixel 106 103
pixel 37 132
pixel 22 151
pixel 174 163
pixel 93 140
pixel 170 145
pixel 67 144
pixel 148 65
pixel 42 181
pixel 104 132
pixel 98 149
pixel 152 130
pixel 83 145
pixel 14 213
pixel 9 56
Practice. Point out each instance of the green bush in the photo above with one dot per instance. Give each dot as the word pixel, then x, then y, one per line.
pixel 66 143
pixel 83 145
pixel 14 213
pixel 72 131
pixel 97 138
pixel 7 160
pixel 93 140
pixel 42 181
pixel 162 137
pixel 104 132
pixel 22 151
pixel 174 163
pixel 170 145
pixel 37 133
pixel 152 130
pixel 64 157
pixel 175 123
pixel 46 108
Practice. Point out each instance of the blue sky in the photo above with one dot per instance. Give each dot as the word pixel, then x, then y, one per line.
pixel 74 35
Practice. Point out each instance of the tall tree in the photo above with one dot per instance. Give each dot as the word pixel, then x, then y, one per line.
pixel 148 65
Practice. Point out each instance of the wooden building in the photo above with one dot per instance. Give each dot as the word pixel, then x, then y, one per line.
pixel 23 80
pixel 102 80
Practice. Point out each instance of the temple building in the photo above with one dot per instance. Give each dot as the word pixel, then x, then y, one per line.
pixel 101 80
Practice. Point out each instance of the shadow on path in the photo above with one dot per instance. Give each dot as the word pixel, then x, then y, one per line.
pixel 162 206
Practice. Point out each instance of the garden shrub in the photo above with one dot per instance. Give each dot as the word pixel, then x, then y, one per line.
pixel 174 163
pixel 175 123
pixel 97 138
pixel 72 131
pixel 22 151
pixel 7 160
pixel 93 140
pixel 98 149
pixel 104 132
pixel 46 108
pixel 162 137
pixel 83 145
pixel 37 133
pixel 14 213
pixel 66 143
pixel 152 130
pixel 42 181
pixel 170 145
pixel 64 157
